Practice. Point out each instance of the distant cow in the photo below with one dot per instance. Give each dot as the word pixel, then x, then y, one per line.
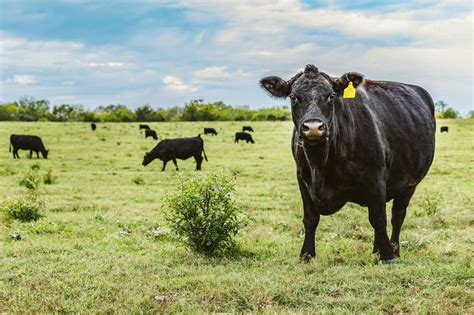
pixel 444 129
pixel 151 133
pixel 243 136
pixel 26 142
pixel 181 148
pixel 140 127
pixel 211 131
pixel 247 128
pixel 93 127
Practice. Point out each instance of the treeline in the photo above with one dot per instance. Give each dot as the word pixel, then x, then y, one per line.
pixel 29 109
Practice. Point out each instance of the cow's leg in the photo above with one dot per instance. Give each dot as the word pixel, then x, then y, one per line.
pixel 164 165
pixel 15 153
pixel 37 154
pixel 399 211
pixel 31 154
pixel 175 164
pixel 378 220
pixel 198 159
pixel 310 221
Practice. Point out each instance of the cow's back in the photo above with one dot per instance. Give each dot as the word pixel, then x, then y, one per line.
pixel 27 142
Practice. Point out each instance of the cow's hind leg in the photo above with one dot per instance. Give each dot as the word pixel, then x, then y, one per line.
pixel 15 153
pixel 164 166
pixel 399 210
pixel 31 154
pixel 176 164
pixel 198 159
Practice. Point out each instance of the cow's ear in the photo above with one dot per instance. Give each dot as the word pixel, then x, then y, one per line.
pixel 276 86
pixel 340 84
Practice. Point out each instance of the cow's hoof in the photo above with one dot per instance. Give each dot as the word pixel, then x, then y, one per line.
pixel 306 257
pixel 387 261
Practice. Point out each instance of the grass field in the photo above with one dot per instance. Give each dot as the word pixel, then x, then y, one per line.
pixel 97 250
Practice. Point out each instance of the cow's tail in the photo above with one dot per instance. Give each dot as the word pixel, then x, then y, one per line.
pixel 204 152
pixel 10 148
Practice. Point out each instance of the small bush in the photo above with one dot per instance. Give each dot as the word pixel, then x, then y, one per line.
pixel 24 209
pixel 203 215
pixel 36 166
pixel 30 181
pixel 432 205
pixel 49 178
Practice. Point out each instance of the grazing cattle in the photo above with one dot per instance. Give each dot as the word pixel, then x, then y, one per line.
pixel 357 140
pixel 243 136
pixel 93 127
pixel 211 131
pixel 181 148
pixel 443 129
pixel 247 128
pixel 26 142
pixel 151 133
pixel 141 126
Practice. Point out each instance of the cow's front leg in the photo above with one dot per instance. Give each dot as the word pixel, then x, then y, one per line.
pixel 378 220
pixel 31 154
pixel 310 221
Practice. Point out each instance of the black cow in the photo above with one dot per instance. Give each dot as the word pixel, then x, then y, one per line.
pixel 181 148
pixel 93 127
pixel 211 131
pixel 368 148
pixel 141 126
pixel 247 128
pixel 151 133
pixel 243 136
pixel 443 129
pixel 27 142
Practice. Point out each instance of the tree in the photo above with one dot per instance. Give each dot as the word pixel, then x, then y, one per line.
pixel 144 113
pixel 30 109
pixel 66 112
pixel 470 114
pixel 440 106
pixel 449 113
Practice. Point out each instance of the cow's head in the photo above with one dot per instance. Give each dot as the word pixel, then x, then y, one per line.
pixel 45 154
pixel 147 159
pixel 313 97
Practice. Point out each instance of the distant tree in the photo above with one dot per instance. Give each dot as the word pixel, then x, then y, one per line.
pixel 66 112
pixel 30 109
pixel 470 114
pixel 144 113
pixel 449 113
pixel 440 106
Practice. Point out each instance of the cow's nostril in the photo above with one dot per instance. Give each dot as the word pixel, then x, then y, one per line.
pixel 322 127
pixel 304 128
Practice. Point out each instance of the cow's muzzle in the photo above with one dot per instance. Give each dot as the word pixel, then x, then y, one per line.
pixel 313 130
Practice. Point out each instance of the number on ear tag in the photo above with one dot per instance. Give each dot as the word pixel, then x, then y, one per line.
pixel 349 91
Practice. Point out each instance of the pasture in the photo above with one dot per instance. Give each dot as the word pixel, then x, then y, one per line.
pixel 103 246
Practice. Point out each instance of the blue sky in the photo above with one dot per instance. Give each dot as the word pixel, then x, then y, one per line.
pixel 165 53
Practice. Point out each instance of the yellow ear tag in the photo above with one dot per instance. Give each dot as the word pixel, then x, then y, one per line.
pixel 349 91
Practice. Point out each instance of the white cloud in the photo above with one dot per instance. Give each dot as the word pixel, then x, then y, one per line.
pixel 175 83
pixel 24 79
pixel 106 65
pixel 212 72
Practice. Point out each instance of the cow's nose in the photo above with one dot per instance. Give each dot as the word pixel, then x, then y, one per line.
pixel 313 129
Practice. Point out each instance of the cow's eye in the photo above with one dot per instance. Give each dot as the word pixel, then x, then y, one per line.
pixel 294 98
pixel 331 97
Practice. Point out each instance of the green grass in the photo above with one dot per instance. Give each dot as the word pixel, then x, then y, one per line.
pixel 103 245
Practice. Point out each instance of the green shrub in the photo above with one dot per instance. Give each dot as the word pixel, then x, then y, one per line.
pixel 203 215
pixel 49 178
pixel 30 181
pixel 25 209
pixel 36 166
